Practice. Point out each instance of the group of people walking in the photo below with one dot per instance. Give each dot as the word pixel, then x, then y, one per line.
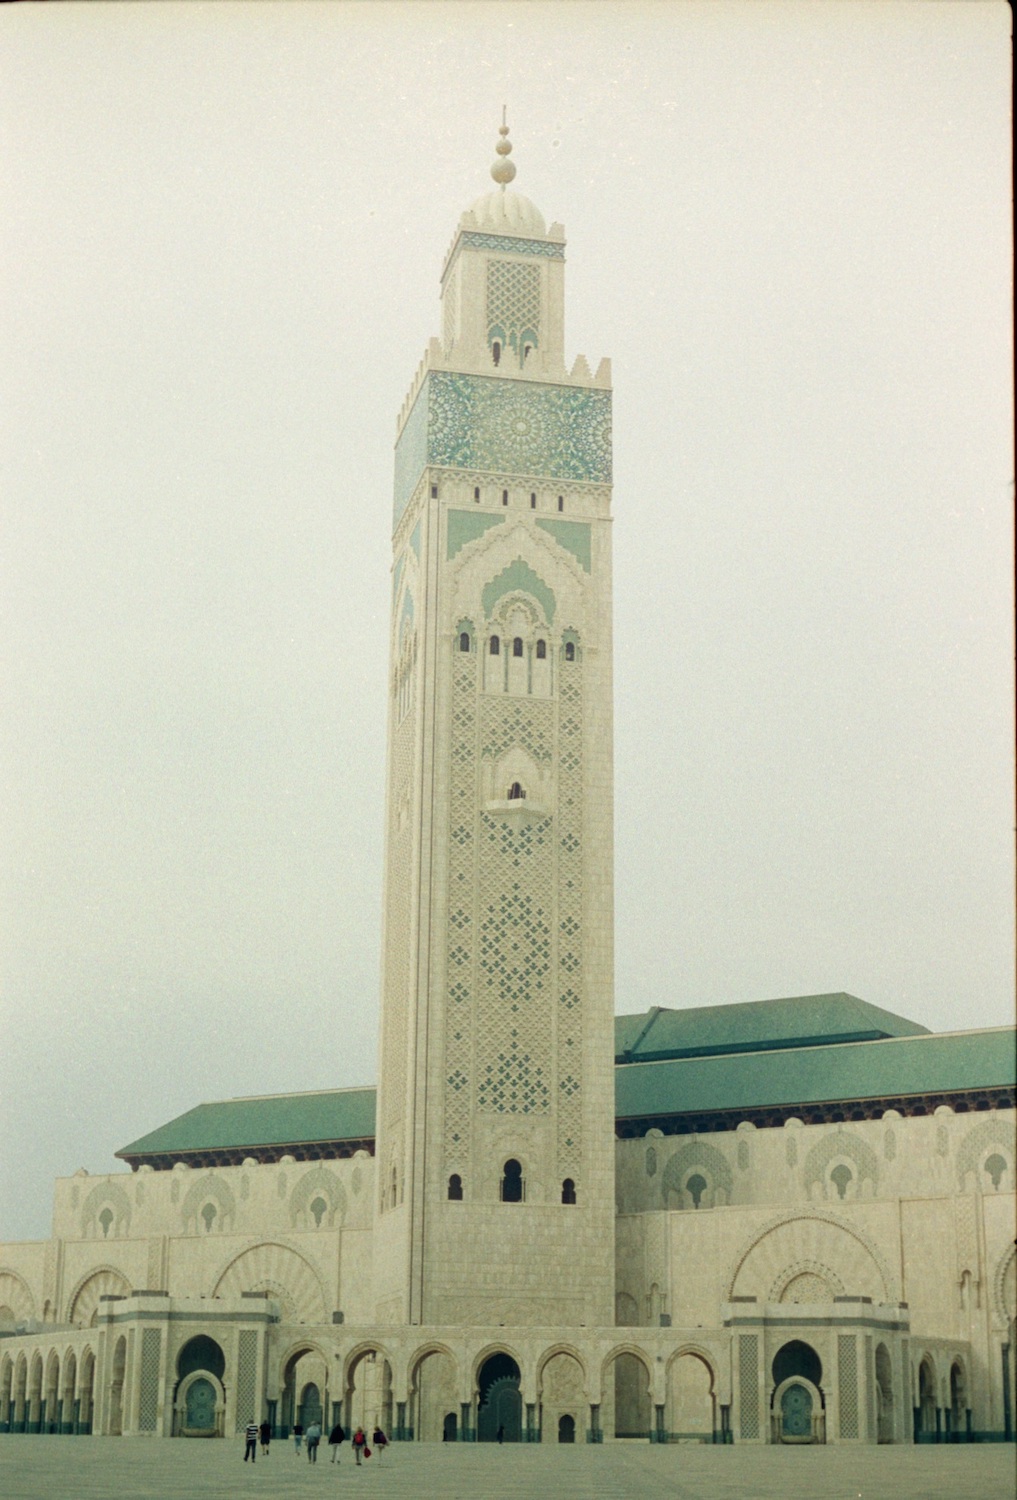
pixel 262 1431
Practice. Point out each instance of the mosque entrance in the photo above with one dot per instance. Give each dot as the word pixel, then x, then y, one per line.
pixel 796 1414
pixel 501 1405
pixel 200 1407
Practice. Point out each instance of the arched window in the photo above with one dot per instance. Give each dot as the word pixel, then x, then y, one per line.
pixel 476 492
pixel 496 351
pixel 515 792
pixel 512 1182
pixel 568 1191
pixel 697 1186
pixel 208 1214
pixel 570 651
pixel 495 645
pixel 464 641
pixel 455 1188
pixel 541 650
pixel 517 646
pixel 527 348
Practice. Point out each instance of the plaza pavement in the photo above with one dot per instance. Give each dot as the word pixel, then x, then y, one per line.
pixel 45 1468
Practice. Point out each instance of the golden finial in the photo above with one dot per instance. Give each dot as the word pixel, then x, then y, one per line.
pixel 503 170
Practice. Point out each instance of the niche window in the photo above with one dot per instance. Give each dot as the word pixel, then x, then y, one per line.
pixel 570 651
pixel 495 645
pixel 106 1221
pixel 533 502
pixel 541 650
pixel 512 1182
pixel 516 793
pixel 455 1188
pixel 496 351
pixel 568 1191
pixel 504 497
pixel 434 492
pixel 561 502
pixel 464 641
pixel 696 1187
pixel 517 646
pixel 208 1214
pixel 996 1166
pixel 527 349
pixel 476 492
pixel 318 1209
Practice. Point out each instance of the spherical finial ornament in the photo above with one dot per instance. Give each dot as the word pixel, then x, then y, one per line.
pixel 503 170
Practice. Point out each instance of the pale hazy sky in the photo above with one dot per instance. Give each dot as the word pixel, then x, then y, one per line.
pixel 221 236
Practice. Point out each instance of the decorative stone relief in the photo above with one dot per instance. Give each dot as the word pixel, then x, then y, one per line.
pixel 838 1162
pixel 106 1213
pixel 696 1159
pixel 992 1137
pixel 83 1303
pixel 318 1200
pixel 475 240
pixel 476 421
pixel 806 1281
pixel 280 1271
pixel 209 1205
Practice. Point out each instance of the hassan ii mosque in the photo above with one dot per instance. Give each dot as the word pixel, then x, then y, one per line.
pixel 790 1221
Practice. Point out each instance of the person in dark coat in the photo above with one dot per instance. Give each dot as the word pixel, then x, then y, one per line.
pixel 380 1441
pixel 265 1434
pixel 335 1437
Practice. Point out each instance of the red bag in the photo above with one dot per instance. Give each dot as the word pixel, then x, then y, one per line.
pixel 367 1451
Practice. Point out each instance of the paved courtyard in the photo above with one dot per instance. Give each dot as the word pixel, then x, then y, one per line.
pixel 102 1468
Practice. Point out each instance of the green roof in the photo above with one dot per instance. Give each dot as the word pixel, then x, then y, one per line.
pixel 882 1069
pixel 272 1120
pixel 755 1026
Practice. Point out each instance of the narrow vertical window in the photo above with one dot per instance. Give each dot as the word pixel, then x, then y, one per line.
pixel 568 1191
pixel 561 502
pixel 455 1188
pixel 476 492
pixel 541 650
pixel 512 1182
pixel 496 352
pixel 570 651
pixel 504 497
pixel 434 492
pixel 517 646
pixel 533 502
pixel 495 645
pixel 464 641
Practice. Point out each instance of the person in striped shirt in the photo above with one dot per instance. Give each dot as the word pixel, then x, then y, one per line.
pixel 251 1434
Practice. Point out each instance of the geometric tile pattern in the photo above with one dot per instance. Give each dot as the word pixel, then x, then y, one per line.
pixel 569 1049
pixel 847 1379
pixel 461 924
pixel 518 427
pixel 513 305
pixel 748 1388
pixel 477 241
pixel 247 1369
pixel 148 1396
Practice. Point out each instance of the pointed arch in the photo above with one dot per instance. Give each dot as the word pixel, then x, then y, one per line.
pixel 100 1281
pixel 275 1267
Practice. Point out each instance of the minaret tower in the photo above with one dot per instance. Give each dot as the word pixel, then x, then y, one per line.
pixel 495 1133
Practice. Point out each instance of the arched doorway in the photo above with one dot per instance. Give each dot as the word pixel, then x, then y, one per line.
pixel 691 1403
pixel 501 1405
pixel 450 1428
pixel 566 1429
pixel 925 1423
pixel 434 1393
pixel 304 1391
pixel 630 1390
pixel 959 1414
pixel 115 1426
pixel 797 1411
pixel 86 1383
pixel 49 1413
pixel 68 1380
pixel 561 1392
pixel 884 1395
pixel 199 1399
pixel 368 1392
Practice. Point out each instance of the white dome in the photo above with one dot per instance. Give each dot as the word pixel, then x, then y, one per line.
pixel 505 212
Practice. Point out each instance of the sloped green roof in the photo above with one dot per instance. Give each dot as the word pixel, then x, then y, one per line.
pixel 755 1026
pixel 814 1075
pixel 273 1120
